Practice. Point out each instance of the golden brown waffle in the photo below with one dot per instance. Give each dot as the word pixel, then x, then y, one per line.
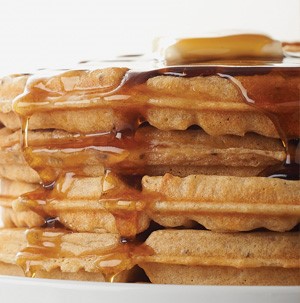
pixel 78 204
pixel 219 203
pixel 224 203
pixel 212 102
pixel 58 253
pixel 203 257
pixel 150 151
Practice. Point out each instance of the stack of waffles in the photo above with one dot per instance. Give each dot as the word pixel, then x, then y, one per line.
pixel 175 175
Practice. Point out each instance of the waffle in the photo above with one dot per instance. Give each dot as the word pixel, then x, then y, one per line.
pixel 222 203
pixel 64 255
pixel 203 257
pixel 218 111
pixel 159 101
pixel 239 204
pixel 149 151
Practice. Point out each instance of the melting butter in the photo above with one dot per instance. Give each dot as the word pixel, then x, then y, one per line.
pixel 231 47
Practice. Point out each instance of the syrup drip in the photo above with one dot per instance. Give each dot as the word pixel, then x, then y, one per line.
pixel 285 114
pixel 45 244
pixel 123 201
pixel 51 222
pixel 41 244
pixel 110 149
pixel 290 169
pixel 126 203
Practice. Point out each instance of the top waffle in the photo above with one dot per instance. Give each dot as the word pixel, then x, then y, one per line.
pixel 115 98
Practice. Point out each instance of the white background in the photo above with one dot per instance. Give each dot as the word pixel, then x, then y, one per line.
pixel 58 33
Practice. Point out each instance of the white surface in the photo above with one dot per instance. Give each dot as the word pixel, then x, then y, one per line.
pixel 58 33
pixel 23 290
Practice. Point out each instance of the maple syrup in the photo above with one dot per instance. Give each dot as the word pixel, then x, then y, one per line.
pixel 41 244
pixel 44 244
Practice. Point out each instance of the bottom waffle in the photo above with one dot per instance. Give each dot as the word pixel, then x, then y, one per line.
pixel 208 258
pixel 167 256
pixel 58 254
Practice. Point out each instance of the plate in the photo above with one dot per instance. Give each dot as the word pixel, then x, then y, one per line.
pixel 15 290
